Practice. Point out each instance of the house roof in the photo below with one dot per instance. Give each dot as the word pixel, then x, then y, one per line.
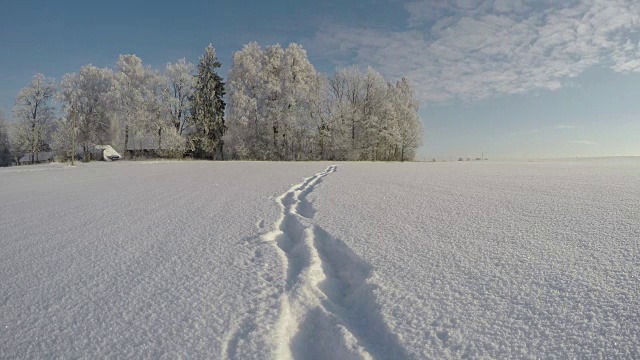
pixel 41 156
pixel 146 142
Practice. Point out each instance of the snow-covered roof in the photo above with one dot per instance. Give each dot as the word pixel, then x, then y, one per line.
pixel 107 150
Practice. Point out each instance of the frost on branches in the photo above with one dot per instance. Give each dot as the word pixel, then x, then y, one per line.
pixel 5 145
pixel 35 114
pixel 207 109
pixel 281 108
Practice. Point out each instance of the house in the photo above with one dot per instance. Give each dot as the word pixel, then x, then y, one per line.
pixel 40 157
pixel 142 146
pixel 152 146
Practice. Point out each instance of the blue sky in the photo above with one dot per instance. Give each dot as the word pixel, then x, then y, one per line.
pixel 510 78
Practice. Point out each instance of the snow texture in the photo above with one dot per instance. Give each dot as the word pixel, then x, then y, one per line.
pixel 359 261
pixel 498 260
pixel 140 260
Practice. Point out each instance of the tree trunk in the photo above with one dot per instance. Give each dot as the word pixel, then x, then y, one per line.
pixel 85 152
pixel 321 146
pixel 33 143
pixel 275 139
pixel 126 139
pixel 285 145
pixel 353 133
pixel 178 124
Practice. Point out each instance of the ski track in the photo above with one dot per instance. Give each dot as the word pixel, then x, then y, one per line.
pixel 328 310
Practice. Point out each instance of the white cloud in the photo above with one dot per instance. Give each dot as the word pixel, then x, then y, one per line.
pixel 474 49
pixel 583 142
pixel 627 58
pixel 566 126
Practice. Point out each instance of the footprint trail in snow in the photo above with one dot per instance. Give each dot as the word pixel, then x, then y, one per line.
pixel 328 309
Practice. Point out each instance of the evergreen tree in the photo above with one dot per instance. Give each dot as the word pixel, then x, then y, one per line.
pixel 207 108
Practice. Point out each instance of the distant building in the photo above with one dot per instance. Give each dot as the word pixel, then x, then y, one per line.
pixel 150 146
pixel 143 143
pixel 40 157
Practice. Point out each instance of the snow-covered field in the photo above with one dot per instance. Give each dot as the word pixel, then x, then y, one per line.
pixel 321 260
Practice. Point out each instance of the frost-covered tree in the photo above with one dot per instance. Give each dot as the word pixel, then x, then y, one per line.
pixel 299 87
pixel 410 131
pixel 346 87
pixel 338 142
pixel 87 97
pixel 5 145
pixel 160 117
pixel 143 105
pixel 246 125
pixel 62 139
pixel 374 114
pixel 271 96
pixel 130 94
pixel 370 119
pixel 347 94
pixel 207 108
pixel 181 83
pixel 35 112
pixel 320 118
pixel 280 108
pixel 156 116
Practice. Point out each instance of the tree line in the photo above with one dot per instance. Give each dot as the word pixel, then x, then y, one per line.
pixel 280 108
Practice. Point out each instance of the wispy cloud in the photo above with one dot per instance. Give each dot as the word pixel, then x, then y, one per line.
pixel 566 127
pixel 474 49
pixel 583 142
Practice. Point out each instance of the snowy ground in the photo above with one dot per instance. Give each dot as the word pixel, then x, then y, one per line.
pixel 314 261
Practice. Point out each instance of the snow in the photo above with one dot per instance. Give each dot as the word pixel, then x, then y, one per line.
pixel 514 260
pixel 139 259
pixel 320 260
